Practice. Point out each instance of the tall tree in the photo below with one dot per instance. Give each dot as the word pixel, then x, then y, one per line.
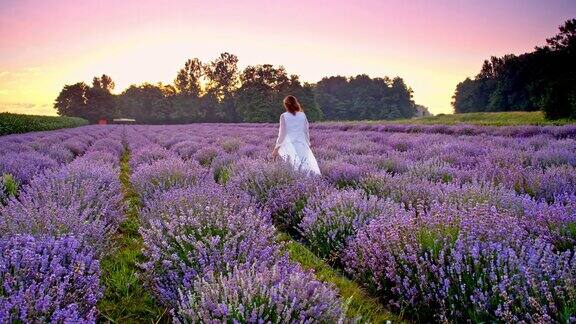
pixel 543 79
pixel 263 89
pixel 260 89
pixel 222 75
pixel 565 39
pixel 146 103
pixel 362 97
pixel 104 82
pixel 72 100
pixel 187 81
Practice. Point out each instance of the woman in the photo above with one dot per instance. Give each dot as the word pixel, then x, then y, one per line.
pixel 293 143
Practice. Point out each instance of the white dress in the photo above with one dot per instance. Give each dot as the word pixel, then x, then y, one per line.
pixel 293 142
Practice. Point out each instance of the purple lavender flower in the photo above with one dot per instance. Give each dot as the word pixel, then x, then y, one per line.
pixel 148 155
pixel 82 199
pixel 48 280
pixel 162 175
pixel 343 174
pixel 24 166
pixel 277 188
pixel 186 149
pixel 331 218
pixel 206 155
pixel 454 263
pixel 192 232
pixel 256 294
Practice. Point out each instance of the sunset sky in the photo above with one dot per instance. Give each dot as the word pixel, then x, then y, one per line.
pixel 433 45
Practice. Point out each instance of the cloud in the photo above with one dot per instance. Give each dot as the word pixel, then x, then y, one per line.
pixel 32 69
pixel 27 72
pixel 26 108
pixel 9 105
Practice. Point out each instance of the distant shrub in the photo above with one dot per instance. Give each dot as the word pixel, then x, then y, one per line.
pixel 206 155
pixel 18 123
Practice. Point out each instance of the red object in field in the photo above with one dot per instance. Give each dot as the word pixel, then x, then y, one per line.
pixel 103 121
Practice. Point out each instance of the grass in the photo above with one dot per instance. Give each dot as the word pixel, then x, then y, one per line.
pixel 360 303
pixel 20 123
pixel 126 300
pixel 512 118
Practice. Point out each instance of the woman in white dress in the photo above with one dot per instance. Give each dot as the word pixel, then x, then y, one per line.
pixel 293 143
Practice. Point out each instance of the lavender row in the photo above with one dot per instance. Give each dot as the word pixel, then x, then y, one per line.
pixel 26 155
pixel 57 228
pixel 567 131
pixel 211 252
pixel 450 227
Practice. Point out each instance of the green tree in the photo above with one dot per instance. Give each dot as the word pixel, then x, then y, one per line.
pixel 362 97
pixel 222 75
pixel 104 82
pixel 260 98
pixel 187 81
pixel 72 100
pixel 542 79
pixel 146 103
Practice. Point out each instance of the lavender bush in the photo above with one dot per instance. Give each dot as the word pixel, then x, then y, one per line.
pixel 47 280
pixel 476 263
pixel 148 155
pixel 162 175
pixel 192 232
pixel 82 199
pixel 453 223
pixel 282 293
pixel 24 166
pixel 330 219
pixel 276 188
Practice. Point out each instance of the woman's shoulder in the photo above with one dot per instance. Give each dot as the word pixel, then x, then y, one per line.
pixel 287 114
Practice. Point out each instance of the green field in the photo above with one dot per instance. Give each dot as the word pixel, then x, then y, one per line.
pixel 487 118
pixel 19 123
pixel 490 118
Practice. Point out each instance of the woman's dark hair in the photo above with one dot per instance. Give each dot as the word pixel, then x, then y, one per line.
pixel 292 105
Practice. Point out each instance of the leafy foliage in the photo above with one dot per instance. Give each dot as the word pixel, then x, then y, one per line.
pixel 218 91
pixel 362 97
pixel 544 79
pixel 18 123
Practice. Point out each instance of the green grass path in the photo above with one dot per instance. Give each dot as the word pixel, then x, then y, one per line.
pixel 507 118
pixel 126 300
pixel 360 303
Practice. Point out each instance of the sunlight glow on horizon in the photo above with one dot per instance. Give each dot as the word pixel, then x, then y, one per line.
pixel 44 46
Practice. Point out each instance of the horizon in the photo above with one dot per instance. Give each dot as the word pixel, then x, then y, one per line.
pixel 47 45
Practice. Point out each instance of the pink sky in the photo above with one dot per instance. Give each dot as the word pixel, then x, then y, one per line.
pixel 431 44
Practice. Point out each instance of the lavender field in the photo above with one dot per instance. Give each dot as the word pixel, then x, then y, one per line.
pixel 436 223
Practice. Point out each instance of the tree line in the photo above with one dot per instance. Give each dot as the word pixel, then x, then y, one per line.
pixel 544 79
pixel 218 91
